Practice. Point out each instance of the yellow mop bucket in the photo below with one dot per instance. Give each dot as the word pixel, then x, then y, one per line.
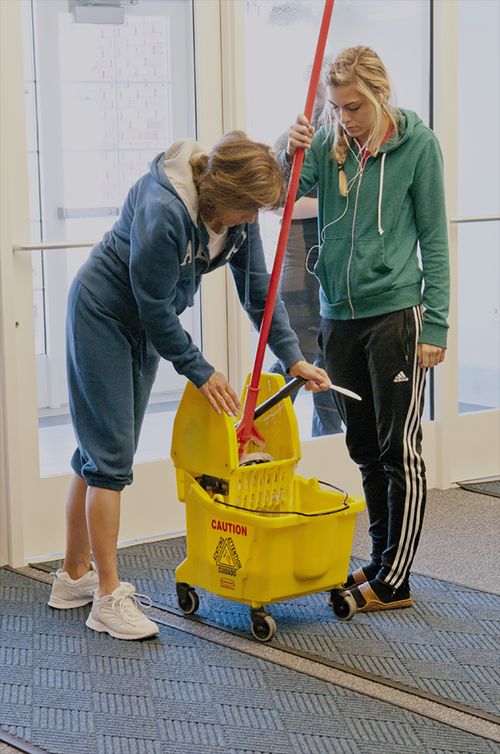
pixel 260 533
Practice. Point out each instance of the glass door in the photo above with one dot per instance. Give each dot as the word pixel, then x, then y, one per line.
pixel 475 444
pixel 107 88
pixel 285 33
pixel 478 239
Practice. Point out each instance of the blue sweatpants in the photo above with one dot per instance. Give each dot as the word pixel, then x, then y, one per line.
pixel 111 369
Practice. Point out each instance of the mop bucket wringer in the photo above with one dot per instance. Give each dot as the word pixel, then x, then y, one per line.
pixel 260 533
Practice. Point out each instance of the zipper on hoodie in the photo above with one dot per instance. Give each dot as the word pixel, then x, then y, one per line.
pixel 351 306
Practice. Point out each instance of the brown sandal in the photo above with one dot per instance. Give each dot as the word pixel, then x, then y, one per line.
pixel 354 579
pixel 370 602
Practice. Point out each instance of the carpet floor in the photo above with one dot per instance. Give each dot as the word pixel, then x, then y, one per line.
pixel 69 690
pixel 445 645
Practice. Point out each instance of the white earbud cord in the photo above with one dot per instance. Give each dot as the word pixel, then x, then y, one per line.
pixel 350 184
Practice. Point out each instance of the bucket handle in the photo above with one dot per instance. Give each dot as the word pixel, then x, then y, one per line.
pixel 261 512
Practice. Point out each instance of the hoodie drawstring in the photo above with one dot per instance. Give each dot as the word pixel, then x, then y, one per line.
pixel 380 192
pixel 193 275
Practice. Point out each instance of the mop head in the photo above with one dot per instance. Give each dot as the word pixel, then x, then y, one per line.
pixel 249 459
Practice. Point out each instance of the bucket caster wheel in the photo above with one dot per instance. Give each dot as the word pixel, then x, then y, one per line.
pixel 263 625
pixel 343 604
pixel 187 599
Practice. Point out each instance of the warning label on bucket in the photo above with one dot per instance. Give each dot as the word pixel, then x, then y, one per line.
pixel 229 527
pixel 226 557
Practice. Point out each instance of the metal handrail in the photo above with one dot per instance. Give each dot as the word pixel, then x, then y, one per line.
pixel 55 246
pixel 89 244
pixel 483 219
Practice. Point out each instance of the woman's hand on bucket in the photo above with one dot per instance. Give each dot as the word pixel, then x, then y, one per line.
pixel 299 135
pixel 220 395
pixel 317 378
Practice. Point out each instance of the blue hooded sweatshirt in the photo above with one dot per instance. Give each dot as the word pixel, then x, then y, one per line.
pixel 148 267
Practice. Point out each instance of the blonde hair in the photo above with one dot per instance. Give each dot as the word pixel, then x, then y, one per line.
pixel 361 67
pixel 238 174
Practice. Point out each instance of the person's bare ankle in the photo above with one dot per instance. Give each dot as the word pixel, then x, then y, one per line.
pixel 107 588
pixel 76 572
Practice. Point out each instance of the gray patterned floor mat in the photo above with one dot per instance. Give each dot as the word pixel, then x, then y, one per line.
pixel 446 645
pixel 487 487
pixel 69 690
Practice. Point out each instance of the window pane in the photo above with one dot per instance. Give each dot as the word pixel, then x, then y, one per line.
pixel 478 316
pixel 478 195
pixel 285 33
pixel 103 99
pixel 479 107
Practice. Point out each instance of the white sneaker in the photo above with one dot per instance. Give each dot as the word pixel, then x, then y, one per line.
pixel 67 592
pixel 119 614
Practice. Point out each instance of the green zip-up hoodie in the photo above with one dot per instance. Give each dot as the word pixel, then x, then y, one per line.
pixel 368 263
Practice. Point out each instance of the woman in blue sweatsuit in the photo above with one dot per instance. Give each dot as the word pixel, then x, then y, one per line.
pixel 191 214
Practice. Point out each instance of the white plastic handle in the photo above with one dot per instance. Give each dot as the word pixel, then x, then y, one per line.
pixel 347 392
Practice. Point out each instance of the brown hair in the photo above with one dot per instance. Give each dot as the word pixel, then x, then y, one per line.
pixel 238 174
pixel 363 68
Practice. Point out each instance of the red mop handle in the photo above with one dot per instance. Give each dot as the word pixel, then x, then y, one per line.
pixel 246 424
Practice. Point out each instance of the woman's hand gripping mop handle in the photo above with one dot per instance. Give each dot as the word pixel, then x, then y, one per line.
pixel 246 429
pixel 290 388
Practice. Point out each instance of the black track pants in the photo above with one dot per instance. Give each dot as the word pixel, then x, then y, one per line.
pixel 376 357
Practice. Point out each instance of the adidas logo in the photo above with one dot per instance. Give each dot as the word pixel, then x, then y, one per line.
pixel 401 377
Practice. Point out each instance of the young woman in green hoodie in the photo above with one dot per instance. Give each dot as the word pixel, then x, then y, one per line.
pixel 379 175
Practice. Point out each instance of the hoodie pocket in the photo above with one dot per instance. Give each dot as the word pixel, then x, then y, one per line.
pixel 331 269
pixel 369 270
